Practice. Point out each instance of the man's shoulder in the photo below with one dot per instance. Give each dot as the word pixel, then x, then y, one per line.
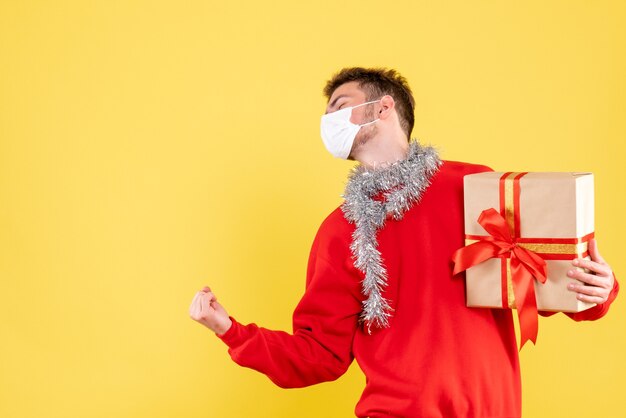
pixel 333 236
pixel 451 173
pixel 336 222
pixel 462 168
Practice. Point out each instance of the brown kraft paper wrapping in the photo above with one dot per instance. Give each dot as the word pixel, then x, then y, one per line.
pixel 554 208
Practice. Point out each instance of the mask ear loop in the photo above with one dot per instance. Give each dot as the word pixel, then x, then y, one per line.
pixel 363 104
pixel 369 123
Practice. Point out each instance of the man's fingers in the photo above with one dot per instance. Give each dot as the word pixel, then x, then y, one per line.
pixel 595 267
pixel 194 302
pixel 194 308
pixel 205 302
pixel 216 305
pixel 209 296
pixel 589 279
pixel 594 253
pixel 202 302
pixel 591 299
pixel 593 294
pixel 596 290
pixel 589 290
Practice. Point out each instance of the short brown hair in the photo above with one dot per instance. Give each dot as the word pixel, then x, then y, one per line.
pixel 375 83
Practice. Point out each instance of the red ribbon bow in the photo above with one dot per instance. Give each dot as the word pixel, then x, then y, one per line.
pixel 525 265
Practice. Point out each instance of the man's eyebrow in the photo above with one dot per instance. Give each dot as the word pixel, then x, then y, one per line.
pixel 337 98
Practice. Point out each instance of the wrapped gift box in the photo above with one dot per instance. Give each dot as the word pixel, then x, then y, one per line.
pixel 550 214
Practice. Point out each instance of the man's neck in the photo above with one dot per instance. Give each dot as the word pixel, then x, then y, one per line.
pixel 381 153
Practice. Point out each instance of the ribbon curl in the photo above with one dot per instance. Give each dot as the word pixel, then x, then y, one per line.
pixel 525 265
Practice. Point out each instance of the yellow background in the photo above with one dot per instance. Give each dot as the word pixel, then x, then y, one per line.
pixel 148 148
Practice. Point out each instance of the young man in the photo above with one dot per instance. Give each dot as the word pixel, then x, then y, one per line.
pixel 379 282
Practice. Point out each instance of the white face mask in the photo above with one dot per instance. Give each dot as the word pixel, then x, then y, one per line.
pixel 338 132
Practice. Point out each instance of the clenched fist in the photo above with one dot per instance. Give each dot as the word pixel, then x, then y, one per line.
pixel 206 310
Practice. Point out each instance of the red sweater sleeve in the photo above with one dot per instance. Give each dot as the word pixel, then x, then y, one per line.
pixel 324 323
pixel 594 313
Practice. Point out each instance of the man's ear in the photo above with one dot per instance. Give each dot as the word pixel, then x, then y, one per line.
pixel 387 105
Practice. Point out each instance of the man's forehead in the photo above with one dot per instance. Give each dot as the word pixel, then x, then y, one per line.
pixel 350 89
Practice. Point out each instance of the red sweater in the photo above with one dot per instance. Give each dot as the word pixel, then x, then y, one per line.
pixel 438 358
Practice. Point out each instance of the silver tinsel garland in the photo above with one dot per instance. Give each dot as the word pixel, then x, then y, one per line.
pixel 401 184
